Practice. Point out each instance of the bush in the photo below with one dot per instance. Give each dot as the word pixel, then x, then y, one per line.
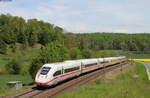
pixel 13 47
pixel 87 53
pixel 3 47
pixel 13 67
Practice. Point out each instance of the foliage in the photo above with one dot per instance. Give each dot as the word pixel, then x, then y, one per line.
pixel 13 67
pixel 13 47
pixel 71 40
pixel 15 29
pixel 3 47
pixel 75 53
pixel 35 66
pixel 86 53
pixel 114 41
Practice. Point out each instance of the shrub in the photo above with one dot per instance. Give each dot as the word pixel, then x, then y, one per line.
pixel 3 47
pixel 87 53
pixel 75 53
pixel 13 67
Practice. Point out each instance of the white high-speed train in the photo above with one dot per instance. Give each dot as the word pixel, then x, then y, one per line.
pixel 51 74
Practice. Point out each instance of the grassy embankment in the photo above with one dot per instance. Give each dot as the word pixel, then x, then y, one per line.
pixel 131 83
pixel 25 57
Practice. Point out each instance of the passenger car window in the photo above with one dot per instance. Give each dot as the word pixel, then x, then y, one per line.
pixel 72 69
pixel 57 73
pixel 45 70
pixel 90 64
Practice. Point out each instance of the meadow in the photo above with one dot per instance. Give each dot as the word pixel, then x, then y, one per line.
pixel 131 83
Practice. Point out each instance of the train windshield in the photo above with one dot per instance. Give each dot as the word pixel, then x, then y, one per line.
pixel 45 70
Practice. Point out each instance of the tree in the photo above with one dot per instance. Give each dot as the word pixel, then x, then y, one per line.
pixel 33 28
pixel 32 38
pixel 71 40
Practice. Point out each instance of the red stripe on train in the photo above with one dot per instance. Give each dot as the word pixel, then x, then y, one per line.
pixel 46 82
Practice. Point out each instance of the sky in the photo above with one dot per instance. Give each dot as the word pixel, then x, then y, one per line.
pixel 121 16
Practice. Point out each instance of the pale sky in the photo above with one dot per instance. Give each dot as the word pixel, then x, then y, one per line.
pixel 127 16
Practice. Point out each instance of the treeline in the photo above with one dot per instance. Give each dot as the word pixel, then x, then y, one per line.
pixel 114 41
pixel 15 29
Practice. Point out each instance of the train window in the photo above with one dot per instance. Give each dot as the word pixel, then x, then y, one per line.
pixel 90 64
pixel 45 70
pixel 71 69
pixel 57 73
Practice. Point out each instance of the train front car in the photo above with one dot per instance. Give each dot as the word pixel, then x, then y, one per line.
pixel 51 74
pixel 44 76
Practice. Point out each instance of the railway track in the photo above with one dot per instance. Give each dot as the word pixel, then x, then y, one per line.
pixel 68 84
pixel 30 92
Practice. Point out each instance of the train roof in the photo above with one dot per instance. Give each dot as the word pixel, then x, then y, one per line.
pixel 78 62
pixel 60 64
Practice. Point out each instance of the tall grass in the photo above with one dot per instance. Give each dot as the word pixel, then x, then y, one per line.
pixel 132 83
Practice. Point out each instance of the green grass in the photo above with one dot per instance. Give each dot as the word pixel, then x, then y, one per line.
pixel 138 56
pixel 7 77
pixel 3 60
pixel 4 90
pixel 128 54
pixel 123 85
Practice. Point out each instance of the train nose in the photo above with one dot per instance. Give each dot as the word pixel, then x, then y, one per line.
pixel 41 78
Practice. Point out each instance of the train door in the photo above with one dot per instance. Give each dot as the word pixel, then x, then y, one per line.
pixel 82 67
pixel 63 72
pixel 57 75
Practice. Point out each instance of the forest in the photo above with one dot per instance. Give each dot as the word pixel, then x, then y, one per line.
pixel 56 45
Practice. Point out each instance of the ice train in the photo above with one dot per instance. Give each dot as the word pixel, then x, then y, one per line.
pixel 51 74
